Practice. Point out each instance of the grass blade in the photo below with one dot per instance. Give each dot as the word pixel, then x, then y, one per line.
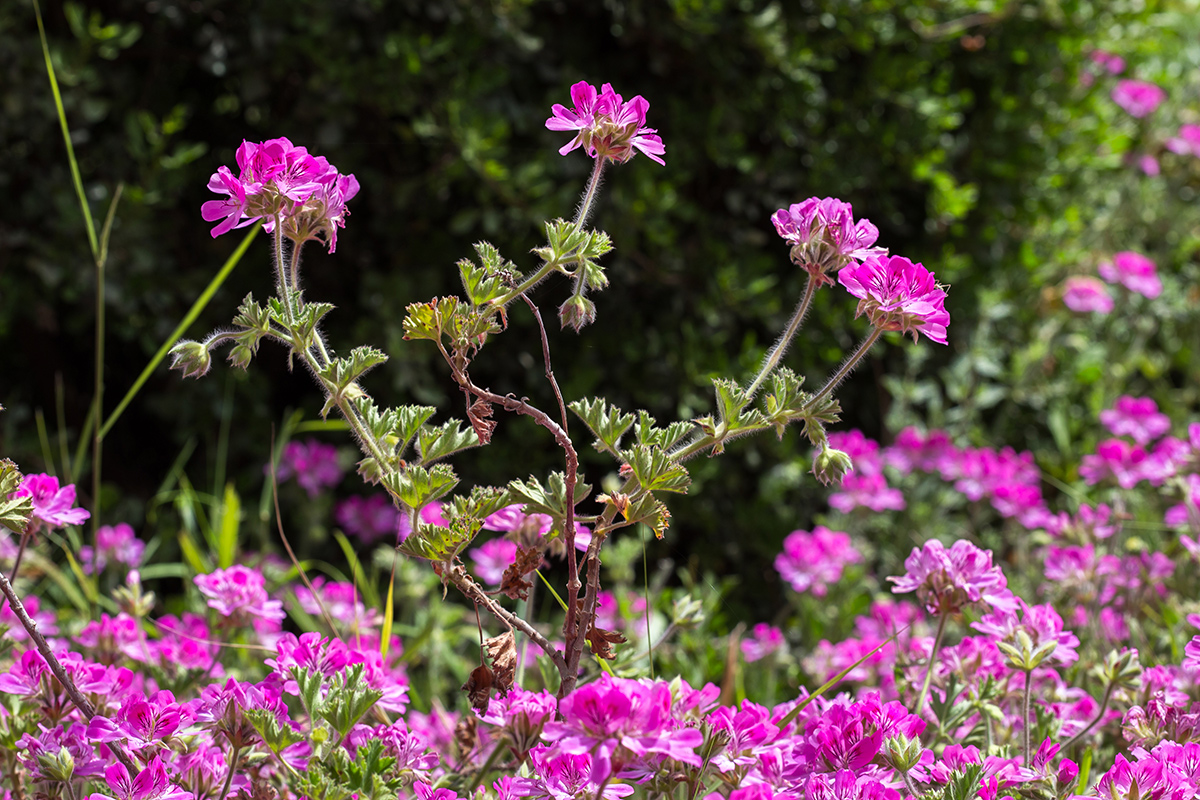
pixel 193 312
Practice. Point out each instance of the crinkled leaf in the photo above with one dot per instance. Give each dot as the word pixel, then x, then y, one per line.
pixel 606 422
pixel 666 438
pixel 14 512
pixel 549 500
pixel 444 440
pixel 437 543
pixel 655 470
pixel 415 486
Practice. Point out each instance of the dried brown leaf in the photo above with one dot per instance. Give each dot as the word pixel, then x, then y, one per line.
pixel 502 651
pixel 515 582
pixel 479 687
pixel 602 641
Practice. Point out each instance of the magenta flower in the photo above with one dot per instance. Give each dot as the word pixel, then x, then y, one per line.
pixel 1133 271
pixel 946 581
pixel 824 236
pixel 1110 62
pixel 142 722
pixel 898 295
pixel 1084 293
pixel 764 640
pixel 312 463
pixel 1187 512
pixel 1138 98
pixel 866 491
pixel 239 592
pixel 1115 460
pixel 620 722
pixel 57 744
pixel 814 561
pixel 607 127
pixel 1187 142
pixel 52 506
pixel 368 518
pixel 1149 165
pixel 150 784
pixel 1041 624
pixel 493 558
pixel 915 450
pixel 1137 418
pixel 117 544
pixel 341 599
pixel 278 180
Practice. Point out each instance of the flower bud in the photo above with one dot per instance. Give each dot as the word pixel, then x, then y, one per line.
pixel 56 766
pixel 1023 655
pixel 831 465
pixel 1122 669
pixel 192 358
pixel 240 356
pixel 901 752
pixel 577 312
pixel 687 612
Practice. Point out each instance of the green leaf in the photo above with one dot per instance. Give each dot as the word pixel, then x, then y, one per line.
pixel 437 543
pixel 550 500
pixel 444 440
pixel 480 504
pixel 192 555
pixel 416 486
pixel 666 438
pixel 785 403
pixel 276 736
pixel 14 512
pixel 485 283
pixel 607 423
pixel 655 470
pixel 430 320
pixel 227 528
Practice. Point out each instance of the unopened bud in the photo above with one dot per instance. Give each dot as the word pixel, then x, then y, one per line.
pixel 240 356
pixel 1023 654
pixel 56 766
pixel 577 312
pixel 831 465
pixel 192 358
pixel 687 612
pixel 901 752
pixel 1122 669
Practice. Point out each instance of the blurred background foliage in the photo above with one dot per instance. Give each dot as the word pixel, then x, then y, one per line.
pixel 965 129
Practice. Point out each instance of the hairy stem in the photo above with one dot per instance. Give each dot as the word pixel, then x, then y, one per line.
pixel 589 195
pixel 82 703
pixel 237 752
pixel 785 340
pixel 848 367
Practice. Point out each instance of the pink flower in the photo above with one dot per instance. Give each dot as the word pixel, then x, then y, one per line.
pixel 915 450
pixel 763 641
pixel 1137 418
pixel 1138 98
pixel 621 722
pixel 1084 293
pixel 1187 512
pixel 607 126
pixel 1133 271
pixel 280 180
pixel 1117 460
pixel 1148 164
pixel 52 506
pixel 312 463
pixel 239 592
pixel 898 295
pixel 341 599
pixel 117 543
pixel 150 784
pixel 824 236
pixel 947 580
pixel 813 561
pixel 1110 62
pixel 1187 142
pixel 493 558
pixel 368 518
pixel 863 452
pixel 866 491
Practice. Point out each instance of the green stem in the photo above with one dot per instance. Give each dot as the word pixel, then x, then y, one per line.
pixel 97 409
pixel 848 367
pixel 1099 715
pixel 1025 715
pixel 492 758
pixel 589 196
pixel 929 666
pixel 785 340
pixel 237 752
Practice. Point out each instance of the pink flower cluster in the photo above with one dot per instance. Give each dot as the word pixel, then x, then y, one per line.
pixel 824 235
pixel 278 182
pixel 1133 271
pixel 53 505
pixel 606 126
pixel 239 592
pixel 897 295
pixel 313 464
pixel 811 562
pixel 948 580
pixel 1138 98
